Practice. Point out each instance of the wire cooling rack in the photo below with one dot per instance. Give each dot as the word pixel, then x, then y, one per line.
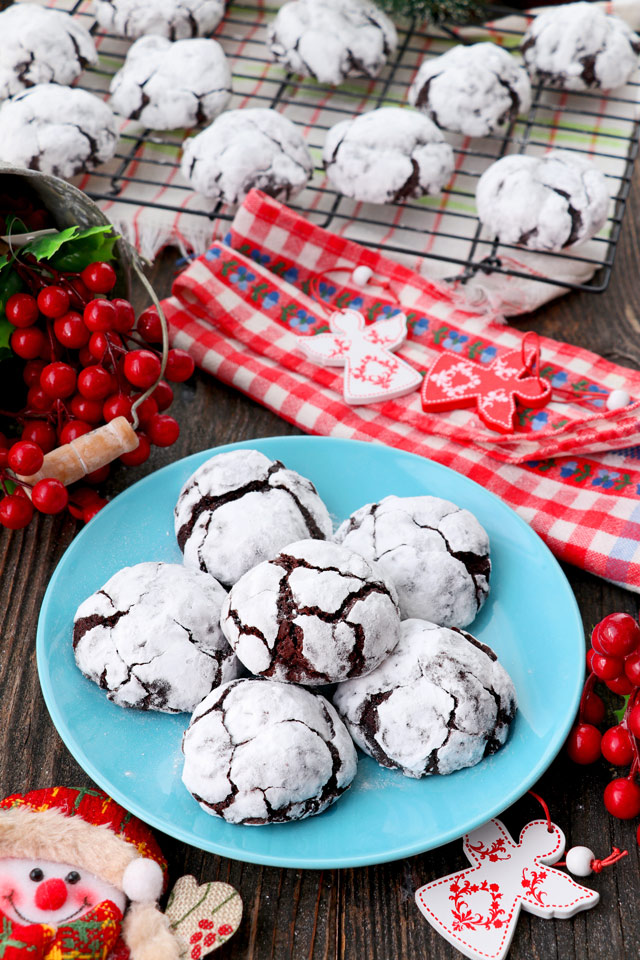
pixel 144 194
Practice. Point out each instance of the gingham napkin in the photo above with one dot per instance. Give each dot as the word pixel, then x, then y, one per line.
pixel 145 196
pixel 241 309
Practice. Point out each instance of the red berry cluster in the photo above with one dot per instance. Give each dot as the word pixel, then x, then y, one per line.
pixel 614 659
pixel 87 362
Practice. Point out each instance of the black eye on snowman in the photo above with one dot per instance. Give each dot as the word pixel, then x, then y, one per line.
pixel 36 875
pixel 72 877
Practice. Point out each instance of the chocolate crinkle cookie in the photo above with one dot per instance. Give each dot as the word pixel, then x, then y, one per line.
pixel 387 156
pixel 471 89
pixel 151 638
pixel 579 47
pixel 441 702
pixel 257 752
pixel 434 553
pixel 332 39
pixel 174 19
pixel 543 203
pixel 316 613
pixel 167 85
pixel 243 149
pixel 57 130
pixel 240 508
pixel 41 46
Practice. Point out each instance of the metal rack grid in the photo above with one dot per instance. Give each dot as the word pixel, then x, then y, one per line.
pixel 443 230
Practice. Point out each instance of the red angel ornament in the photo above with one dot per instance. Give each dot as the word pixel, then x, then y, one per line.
pixel 477 909
pixel 454 382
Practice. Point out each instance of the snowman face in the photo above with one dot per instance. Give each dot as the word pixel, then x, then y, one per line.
pixel 41 891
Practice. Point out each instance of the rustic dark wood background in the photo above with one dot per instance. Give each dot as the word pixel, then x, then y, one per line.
pixel 367 913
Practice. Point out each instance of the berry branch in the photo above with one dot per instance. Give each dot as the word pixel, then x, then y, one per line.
pixel 87 361
pixel 614 659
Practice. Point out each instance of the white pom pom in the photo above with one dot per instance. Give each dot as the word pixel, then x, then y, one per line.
pixel 361 276
pixel 617 399
pixel 143 880
pixel 579 860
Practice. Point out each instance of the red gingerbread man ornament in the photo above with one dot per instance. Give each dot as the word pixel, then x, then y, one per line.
pixel 454 382
pixel 477 909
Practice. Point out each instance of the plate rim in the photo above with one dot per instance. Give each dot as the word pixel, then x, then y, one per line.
pixel 291 861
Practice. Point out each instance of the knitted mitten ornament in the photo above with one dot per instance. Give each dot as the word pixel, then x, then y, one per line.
pixel 80 876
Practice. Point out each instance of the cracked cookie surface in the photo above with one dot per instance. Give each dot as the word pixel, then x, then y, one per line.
pixel 441 702
pixel 150 638
pixel 239 508
pixel 261 752
pixel 435 554
pixel 543 203
pixel 471 89
pixel 332 39
pixel 167 85
pixel 41 46
pixel 57 130
pixel 387 156
pixel 174 19
pixel 316 613
pixel 243 149
pixel 578 47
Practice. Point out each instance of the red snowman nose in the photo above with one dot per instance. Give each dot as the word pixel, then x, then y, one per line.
pixel 51 894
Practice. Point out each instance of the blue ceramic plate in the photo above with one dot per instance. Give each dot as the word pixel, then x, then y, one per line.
pixel 530 619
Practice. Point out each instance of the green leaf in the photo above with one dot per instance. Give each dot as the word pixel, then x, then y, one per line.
pixel 91 245
pixel 74 249
pixel 619 714
pixel 5 333
pixel 10 283
pixel 44 247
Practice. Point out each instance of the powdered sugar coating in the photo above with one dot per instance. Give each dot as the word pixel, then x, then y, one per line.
pixel 578 47
pixel 166 85
pixel 316 613
pixel 386 156
pixel 57 130
pixel 41 46
pixel 240 508
pixel 265 752
pixel 435 554
pixel 174 19
pixel 441 702
pixel 151 637
pixel 332 39
pixel 243 149
pixel 471 89
pixel 543 203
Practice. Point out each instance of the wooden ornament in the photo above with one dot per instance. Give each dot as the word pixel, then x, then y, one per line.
pixel 454 382
pixel 477 909
pixel 371 372
pixel 203 916
pixel 87 453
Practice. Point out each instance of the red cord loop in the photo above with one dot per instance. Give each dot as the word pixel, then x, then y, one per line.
pixel 545 808
pixel 598 865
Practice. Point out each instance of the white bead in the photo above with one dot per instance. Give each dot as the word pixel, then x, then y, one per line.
pixel 617 399
pixel 361 276
pixel 579 860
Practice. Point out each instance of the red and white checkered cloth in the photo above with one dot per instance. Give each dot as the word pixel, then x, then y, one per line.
pixel 242 307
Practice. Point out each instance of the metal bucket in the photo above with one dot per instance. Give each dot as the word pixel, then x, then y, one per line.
pixel 70 207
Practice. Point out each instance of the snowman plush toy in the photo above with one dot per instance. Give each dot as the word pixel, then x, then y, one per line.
pixel 79 878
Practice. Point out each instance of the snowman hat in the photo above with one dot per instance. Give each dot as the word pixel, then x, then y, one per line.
pixel 86 828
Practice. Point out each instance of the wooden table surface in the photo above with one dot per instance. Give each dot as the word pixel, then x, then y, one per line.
pixel 366 913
